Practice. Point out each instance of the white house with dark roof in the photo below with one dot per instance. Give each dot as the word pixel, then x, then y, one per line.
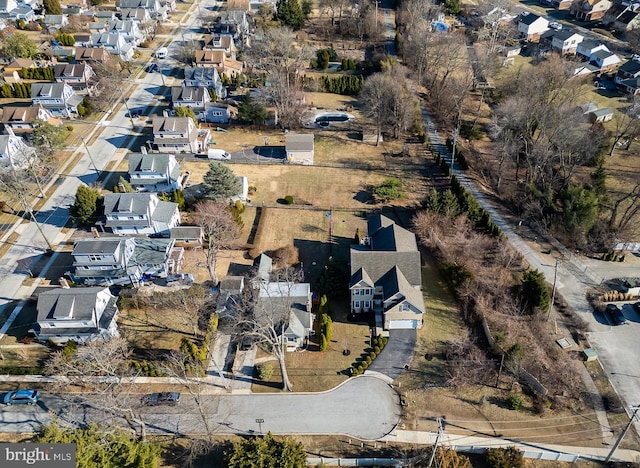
pixel 78 314
pixel 565 41
pixel 195 98
pixel 157 172
pixel 207 77
pixel 114 43
pixel 299 148
pixel 128 29
pixel 152 5
pixel 128 260
pixel 628 70
pixel 606 61
pixel 129 214
pixel 14 152
pixel 139 15
pixel 588 47
pixel 532 26
pixel 77 75
pixel 386 276
pixel 57 98
pixel 175 135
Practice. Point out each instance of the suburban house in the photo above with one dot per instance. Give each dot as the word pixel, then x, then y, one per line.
pixel 57 98
pixel 19 120
pixel 7 6
pixel 154 172
pixel 627 70
pixel 193 97
pixel 224 43
pixel 104 16
pixel 63 54
pixel 299 148
pixel 77 75
pixel 152 5
pixel 561 4
pixel 588 47
pixel 24 12
pixel 532 26
pixel 20 63
pixel 78 314
pixel 14 152
pixel 114 43
pixel 630 86
pixel 386 276
pixel 565 41
pixel 128 260
pixel 216 113
pixel 139 15
pixel 175 135
pixel 627 21
pixel 217 59
pixel 232 22
pixel 207 77
pixel 606 61
pixel 126 28
pixel 590 10
pixel 55 22
pixel 281 298
pixel 139 213
pixel 92 55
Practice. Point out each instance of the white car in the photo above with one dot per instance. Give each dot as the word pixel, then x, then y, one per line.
pixel 555 25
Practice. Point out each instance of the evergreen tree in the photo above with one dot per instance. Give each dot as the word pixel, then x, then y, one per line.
pixel 19 46
pixel 220 183
pixel 52 7
pixel 186 112
pixel 535 291
pixel 289 13
pixel 85 209
pixel 251 111
pixel 259 452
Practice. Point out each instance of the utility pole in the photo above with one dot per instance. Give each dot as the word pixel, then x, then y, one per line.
pixel 84 142
pixel 553 291
pixel 435 445
pixel 127 107
pixel 624 431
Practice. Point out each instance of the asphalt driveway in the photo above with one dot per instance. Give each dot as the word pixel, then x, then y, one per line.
pixel 396 354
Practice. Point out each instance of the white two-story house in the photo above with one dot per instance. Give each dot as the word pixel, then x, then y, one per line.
pixel 78 314
pixel 114 43
pixel 126 28
pixel 193 97
pixel 566 42
pixel 128 260
pixel 57 98
pixel 175 135
pixel 532 26
pixel 154 172
pixel 386 277
pixel 129 214
pixel 76 75
pixel 14 152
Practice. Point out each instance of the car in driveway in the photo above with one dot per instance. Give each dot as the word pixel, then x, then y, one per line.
pixel 21 397
pixel 162 398
pixel 246 344
pixel 152 67
pixel 616 314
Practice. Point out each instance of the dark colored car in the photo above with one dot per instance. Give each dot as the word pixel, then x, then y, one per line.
pixel 21 397
pixel 637 306
pixel 616 314
pixel 162 398
pixel 246 344
pixel 152 67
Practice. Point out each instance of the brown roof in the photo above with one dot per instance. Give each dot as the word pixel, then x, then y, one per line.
pixel 21 63
pixel 95 54
pixel 210 56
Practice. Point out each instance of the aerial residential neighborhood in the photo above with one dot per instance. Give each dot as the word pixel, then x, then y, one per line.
pixel 308 233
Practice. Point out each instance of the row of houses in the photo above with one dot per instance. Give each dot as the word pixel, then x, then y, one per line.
pixel 619 15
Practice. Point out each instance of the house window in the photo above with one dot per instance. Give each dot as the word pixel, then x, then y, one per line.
pixel 95 257
pixel 356 292
pixel 404 307
pixel 131 217
pixel 356 305
pixel 367 304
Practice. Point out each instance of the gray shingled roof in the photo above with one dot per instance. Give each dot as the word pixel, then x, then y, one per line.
pixel 156 163
pixel 59 303
pixel 188 93
pixel 299 142
pixel 92 246
pixel 394 282
pixel 186 232
pixel 152 251
pixel 52 90
pixel 134 203
pixel 529 19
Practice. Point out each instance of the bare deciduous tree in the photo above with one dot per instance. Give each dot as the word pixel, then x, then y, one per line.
pixel 103 368
pixel 219 230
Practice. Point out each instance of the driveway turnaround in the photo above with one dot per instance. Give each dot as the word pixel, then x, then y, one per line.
pixel 396 354
pixel 364 407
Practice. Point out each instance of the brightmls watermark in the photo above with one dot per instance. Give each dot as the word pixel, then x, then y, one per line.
pixel 38 455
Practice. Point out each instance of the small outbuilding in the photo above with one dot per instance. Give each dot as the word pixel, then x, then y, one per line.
pixel 601 115
pixel 300 148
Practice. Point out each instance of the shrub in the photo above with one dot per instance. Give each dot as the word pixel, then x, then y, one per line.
pixel 324 343
pixel 372 355
pixel 288 199
pixel 376 350
pixel 368 360
pixel 69 348
pixel 70 128
pixel 390 189
pixel 515 401
pixel 364 365
pixel 509 457
pixel 265 371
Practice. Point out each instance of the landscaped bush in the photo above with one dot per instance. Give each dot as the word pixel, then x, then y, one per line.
pixel 288 200
pixel 20 370
pixel 265 371
pixel 509 457
pixel 376 350
pixel 515 401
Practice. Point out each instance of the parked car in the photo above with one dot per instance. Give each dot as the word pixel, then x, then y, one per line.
pixel 21 397
pixel 152 67
pixel 180 278
pixel 162 398
pixel 616 315
pixel 555 25
pixel 637 306
pixel 599 85
pixel 246 344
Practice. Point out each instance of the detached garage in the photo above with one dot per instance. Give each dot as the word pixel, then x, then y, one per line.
pixel 299 148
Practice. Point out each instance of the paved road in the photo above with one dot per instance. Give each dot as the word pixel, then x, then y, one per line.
pixel 365 407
